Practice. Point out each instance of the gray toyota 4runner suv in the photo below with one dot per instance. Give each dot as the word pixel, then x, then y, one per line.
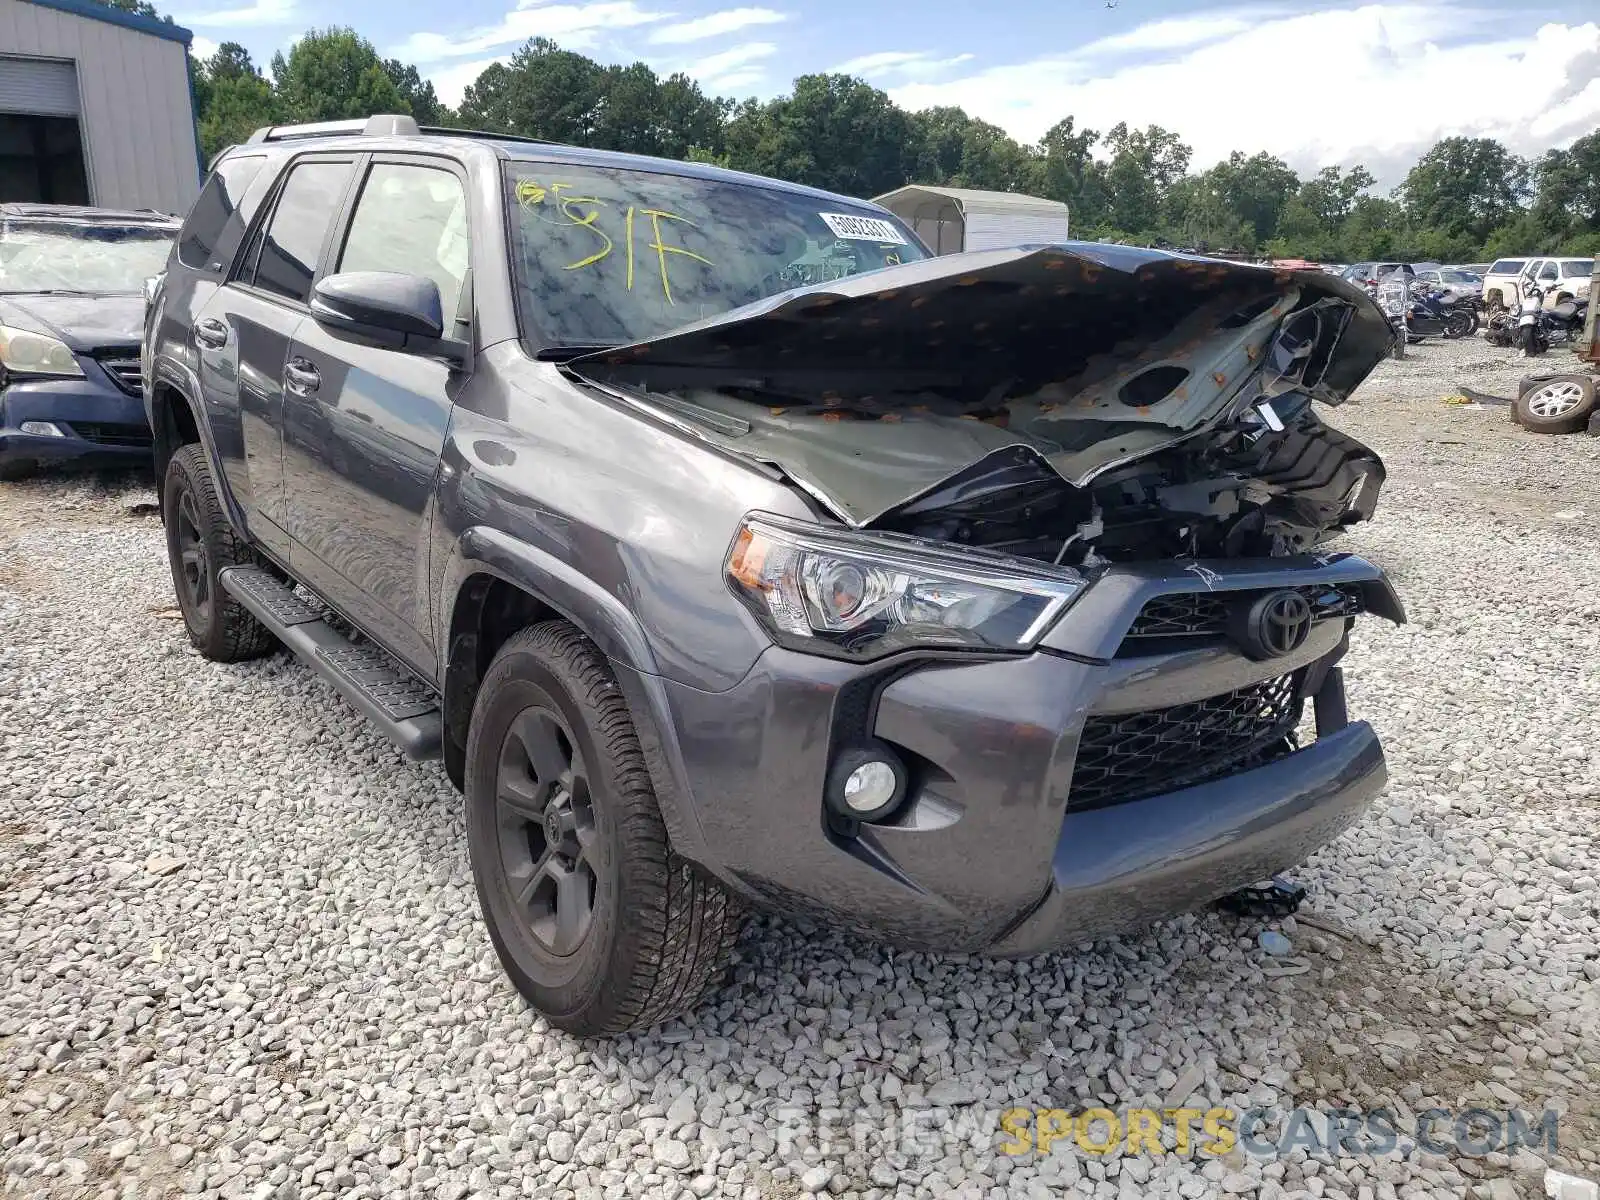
pixel 729 549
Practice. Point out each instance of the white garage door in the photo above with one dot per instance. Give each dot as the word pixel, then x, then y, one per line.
pixel 42 87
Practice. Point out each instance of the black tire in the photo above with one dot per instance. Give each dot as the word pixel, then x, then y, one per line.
pixel 200 542
pixel 1560 404
pixel 653 934
pixel 1462 322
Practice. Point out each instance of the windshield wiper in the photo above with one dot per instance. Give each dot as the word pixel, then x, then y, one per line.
pixel 567 353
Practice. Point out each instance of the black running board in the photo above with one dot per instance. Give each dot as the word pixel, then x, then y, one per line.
pixel 385 693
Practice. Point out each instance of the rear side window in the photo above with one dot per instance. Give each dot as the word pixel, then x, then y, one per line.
pixel 1580 267
pixel 411 219
pixel 1508 266
pixel 211 234
pixel 293 236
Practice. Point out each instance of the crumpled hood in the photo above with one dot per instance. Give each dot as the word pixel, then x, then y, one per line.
pixel 82 322
pixel 869 390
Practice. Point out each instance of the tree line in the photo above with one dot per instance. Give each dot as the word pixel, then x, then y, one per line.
pixel 1467 199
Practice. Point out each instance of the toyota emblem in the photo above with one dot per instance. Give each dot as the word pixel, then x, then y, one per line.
pixel 1274 625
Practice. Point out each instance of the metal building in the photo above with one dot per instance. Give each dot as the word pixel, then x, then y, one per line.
pixel 951 219
pixel 96 107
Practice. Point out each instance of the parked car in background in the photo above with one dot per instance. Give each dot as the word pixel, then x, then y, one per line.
pixel 1501 286
pixel 1365 273
pixel 1456 284
pixel 72 294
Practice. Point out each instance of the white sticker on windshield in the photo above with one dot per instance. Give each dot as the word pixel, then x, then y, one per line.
pixel 863 229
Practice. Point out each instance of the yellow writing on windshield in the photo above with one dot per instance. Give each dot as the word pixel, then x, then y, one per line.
pixel 584 212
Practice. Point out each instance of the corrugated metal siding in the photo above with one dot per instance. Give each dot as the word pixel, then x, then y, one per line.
pixel 137 115
pixel 42 87
pixel 993 231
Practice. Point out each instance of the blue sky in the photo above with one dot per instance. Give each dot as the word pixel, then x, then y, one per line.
pixel 1316 84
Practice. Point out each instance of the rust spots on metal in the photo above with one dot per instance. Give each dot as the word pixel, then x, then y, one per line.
pixel 919 301
pixel 1252 352
pixel 967 281
pixel 890 418
pixel 1056 264
pixel 1218 378
pixel 777 412
pixel 1181 392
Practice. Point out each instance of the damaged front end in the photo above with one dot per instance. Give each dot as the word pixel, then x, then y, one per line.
pixel 1081 406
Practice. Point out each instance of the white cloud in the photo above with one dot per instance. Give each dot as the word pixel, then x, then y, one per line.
pixel 909 64
pixel 732 69
pixel 575 26
pixel 450 83
pixel 262 12
pixel 1376 84
pixel 202 47
pixel 716 24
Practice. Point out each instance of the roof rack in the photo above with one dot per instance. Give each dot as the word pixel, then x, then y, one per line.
pixel 448 131
pixel 383 125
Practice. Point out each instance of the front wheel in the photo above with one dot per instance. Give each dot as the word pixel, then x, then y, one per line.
pixel 597 922
pixel 200 543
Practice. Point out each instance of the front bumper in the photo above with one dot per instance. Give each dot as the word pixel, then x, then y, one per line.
pixel 989 853
pixel 102 423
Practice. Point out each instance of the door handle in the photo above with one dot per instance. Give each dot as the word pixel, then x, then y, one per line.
pixel 211 333
pixel 300 377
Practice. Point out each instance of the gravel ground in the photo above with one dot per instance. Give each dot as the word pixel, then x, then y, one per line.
pixel 241 953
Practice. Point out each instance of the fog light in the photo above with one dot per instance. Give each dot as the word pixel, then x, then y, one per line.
pixel 42 429
pixel 870 786
pixel 867 783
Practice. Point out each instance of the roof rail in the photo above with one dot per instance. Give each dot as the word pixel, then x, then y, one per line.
pixel 385 124
pixel 448 131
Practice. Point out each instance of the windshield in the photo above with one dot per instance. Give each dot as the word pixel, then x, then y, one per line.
pixel 1577 266
pixel 64 256
pixel 605 256
pixel 1459 277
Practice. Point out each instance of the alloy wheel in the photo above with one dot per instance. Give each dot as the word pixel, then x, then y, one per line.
pixel 193 560
pixel 546 830
pixel 1555 399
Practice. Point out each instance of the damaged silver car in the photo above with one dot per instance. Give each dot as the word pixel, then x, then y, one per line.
pixel 731 550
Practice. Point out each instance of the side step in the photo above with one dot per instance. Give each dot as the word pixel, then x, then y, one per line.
pixel 405 710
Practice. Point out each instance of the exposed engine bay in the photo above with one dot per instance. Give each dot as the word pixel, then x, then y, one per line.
pixel 1076 405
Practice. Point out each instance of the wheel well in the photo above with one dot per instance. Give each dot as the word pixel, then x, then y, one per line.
pixel 173 424
pixel 487 611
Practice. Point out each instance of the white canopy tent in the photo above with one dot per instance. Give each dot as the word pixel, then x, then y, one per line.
pixel 952 219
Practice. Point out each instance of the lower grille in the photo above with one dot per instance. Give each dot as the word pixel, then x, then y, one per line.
pixel 107 434
pixel 124 373
pixel 1132 755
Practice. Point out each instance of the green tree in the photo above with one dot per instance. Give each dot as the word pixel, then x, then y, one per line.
pixel 543 92
pixel 1145 166
pixel 831 131
pixel 1254 190
pixel 236 101
pixel 1465 188
pixel 1069 172
pixel 1566 203
pixel 420 98
pixel 334 74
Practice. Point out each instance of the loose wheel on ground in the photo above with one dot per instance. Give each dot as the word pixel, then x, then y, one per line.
pixel 1561 404
pixel 200 543
pixel 600 926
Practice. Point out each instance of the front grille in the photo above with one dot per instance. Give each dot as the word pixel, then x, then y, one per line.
pixel 1131 755
pixel 105 433
pixel 1205 614
pixel 124 373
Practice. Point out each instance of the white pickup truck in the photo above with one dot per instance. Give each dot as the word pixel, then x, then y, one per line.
pixel 1560 279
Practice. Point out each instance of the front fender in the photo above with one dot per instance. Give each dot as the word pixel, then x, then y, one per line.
pixel 185 383
pixel 606 621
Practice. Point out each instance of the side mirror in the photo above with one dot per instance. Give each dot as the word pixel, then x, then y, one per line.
pixel 374 303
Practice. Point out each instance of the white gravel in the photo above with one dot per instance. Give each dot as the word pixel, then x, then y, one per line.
pixel 241 956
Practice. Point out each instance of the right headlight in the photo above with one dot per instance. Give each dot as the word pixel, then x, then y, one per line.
pixel 25 353
pixel 860 597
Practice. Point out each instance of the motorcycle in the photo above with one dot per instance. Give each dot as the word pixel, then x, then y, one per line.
pixel 1455 318
pixel 1407 314
pixel 1535 328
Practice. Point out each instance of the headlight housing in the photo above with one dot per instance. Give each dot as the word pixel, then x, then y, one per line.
pixel 25 353
pixel 862 597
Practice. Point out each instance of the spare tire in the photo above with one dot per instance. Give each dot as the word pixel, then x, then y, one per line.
pixel 1559 404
